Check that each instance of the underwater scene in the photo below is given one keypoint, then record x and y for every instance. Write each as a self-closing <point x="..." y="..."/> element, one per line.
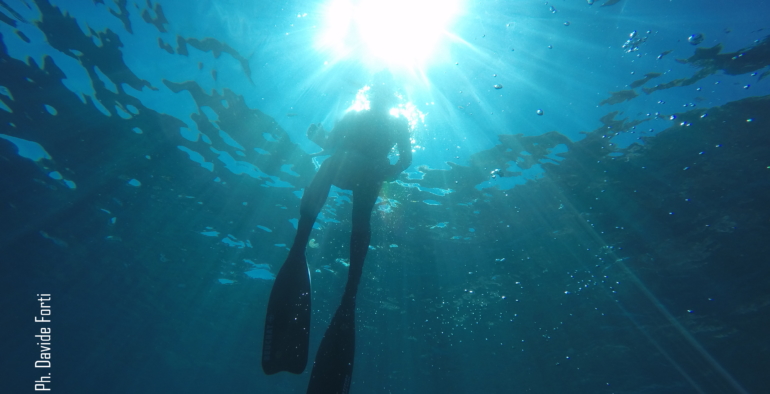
<point x="580" y="202"/>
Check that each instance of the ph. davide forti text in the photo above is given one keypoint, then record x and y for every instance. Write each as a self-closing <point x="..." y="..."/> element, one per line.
<point x="44" y="342"/>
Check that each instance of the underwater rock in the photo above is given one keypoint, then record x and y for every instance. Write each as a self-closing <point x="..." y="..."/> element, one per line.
<point x="619" y="97"/>
<point x="647" y="77"/>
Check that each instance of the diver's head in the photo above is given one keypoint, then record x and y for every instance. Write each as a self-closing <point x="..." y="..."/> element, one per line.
<point x="382" y="93"/>
<point x="382" y="97"/>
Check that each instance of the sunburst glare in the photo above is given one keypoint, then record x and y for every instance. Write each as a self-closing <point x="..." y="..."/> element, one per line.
<point x="396" y="33"/>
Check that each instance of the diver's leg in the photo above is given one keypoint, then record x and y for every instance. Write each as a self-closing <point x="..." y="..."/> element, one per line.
<point x="333" y="367"/>
<point x="313" y="200"/>
<point x="287" y="324"/>
<point x="361" y="234"/>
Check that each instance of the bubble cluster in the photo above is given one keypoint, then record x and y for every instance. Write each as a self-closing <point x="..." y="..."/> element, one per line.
<point x="633" y="42"/>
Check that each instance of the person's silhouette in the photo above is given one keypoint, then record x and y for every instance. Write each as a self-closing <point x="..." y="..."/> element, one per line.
<point x="359" y="146"/>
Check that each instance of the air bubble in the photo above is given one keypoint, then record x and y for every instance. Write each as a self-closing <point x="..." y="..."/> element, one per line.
<point x="695" y="39"/>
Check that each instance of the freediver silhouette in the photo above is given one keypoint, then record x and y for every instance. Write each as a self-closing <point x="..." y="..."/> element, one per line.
<point x="360" y="144"/>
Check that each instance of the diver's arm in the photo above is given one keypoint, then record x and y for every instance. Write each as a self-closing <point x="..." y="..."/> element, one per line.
<point x="317" y="134"/>
<point x="404" y="155"/>
<point x="328" y="140"/>
<point x="404" y="143"/>
<point x="339" y="132"/>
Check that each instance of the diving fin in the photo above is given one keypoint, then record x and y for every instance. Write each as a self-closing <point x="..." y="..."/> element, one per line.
<point x="287" y="324"/>
<point x="333" y="366"/>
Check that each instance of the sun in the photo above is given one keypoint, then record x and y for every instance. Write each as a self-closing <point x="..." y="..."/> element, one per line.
<point x="398" y="33"/>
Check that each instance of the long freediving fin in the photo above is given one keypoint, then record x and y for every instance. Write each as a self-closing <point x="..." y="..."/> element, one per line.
<point x="287" y="324"/>
<point x="333" y="366"/>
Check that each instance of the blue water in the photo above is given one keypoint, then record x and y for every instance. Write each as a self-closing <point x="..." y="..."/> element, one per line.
<point x="586" y="211"/>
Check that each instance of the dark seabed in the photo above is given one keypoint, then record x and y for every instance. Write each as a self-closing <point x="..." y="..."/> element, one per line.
<point x="152" y="156"/>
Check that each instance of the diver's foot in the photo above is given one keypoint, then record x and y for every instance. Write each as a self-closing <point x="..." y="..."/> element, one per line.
<point x="333" y="366"/>
<point x="287" y="324"/>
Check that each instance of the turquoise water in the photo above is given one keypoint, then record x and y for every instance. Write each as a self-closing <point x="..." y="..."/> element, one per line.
<point x="586" y="211"/>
